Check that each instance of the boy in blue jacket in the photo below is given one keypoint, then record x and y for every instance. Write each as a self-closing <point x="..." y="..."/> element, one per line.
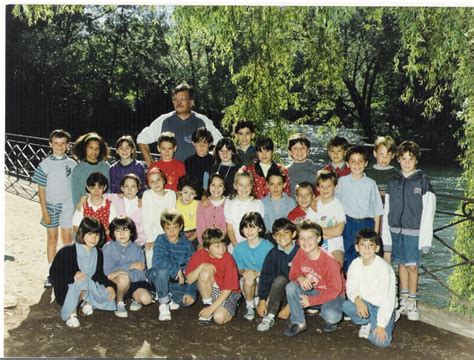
<point x="274" y="274"/>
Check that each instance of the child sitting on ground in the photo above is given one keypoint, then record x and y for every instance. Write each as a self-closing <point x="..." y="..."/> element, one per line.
<point x="217" y="277"/>
<point x="371" y="291"/>
<point x="244" y="132"/>
<point x="316" y="279"/>
<point x="124" y="265"/>
<point x="259" y="170"/>
<point x="329" y="215"/>
<point x="336" y="148"/>
<point x="173" y="168"/>
<point x="78" y="276"/>
<point x="171" y="254"/>
<point x="274" y="275"/>
<point x="249" y="256"/>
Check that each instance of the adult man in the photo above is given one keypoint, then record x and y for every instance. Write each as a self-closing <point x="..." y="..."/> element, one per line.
<point x="182" y="122"/>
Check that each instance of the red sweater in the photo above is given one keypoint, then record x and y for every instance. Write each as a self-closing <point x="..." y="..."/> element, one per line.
<point x="296" y="214"/>
<point x="173" y="169"/>
<point x="325" y="273"/>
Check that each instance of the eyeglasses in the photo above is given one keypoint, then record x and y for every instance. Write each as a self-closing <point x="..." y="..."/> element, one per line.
<point x="180" y="99"/>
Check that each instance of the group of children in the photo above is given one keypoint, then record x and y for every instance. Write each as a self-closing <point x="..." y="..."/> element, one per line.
<point x="287" y="238"/>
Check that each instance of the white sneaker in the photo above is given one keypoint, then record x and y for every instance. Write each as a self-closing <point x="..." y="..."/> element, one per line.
<point x="121" y="311"/>
<point x="73" y="322"/>
<point x="403" y="305"/>
<point x="173" y="306"/>
<point x="250" y="314"/>
<point x="266" y="324"/>
<point x="87" y="309"/>
<point x="135" y="305"/>
<point x="165" y="314"/>
<point x="397" y="315"/>
<point x="412" y="311"/>
<point x="364" y="331"/>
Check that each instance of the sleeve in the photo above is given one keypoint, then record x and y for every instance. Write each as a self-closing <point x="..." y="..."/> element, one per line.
<point x="76" y="187"/>
<point x="228" y="211"/>
<point x="77" y="217"/>
<point x="387" y="288"/>
<point x="427" y="217"/>
<point x="200" y="222"/>
<point x="112" y="213"/>
<point x="295" y="270"/>
<point x="62" y="272"/>
<point x="267" y="275"/>
<point x="338" y="191"/>
<point x="339" y="212"/>
<point x="377" y="200"/>
<point x="334" y="283"/>
<point x="231" y="274"/>
<point x="99" y="275"/>
<point x="147" y="216"/>
<point x="114" y="179"/>
<point x="40" y="176"/>
<point x="386" y="236"/>
<point x="238" y="257"/>
<point x="194" y="262"/>
<point x="151" y="133"/>
<point x="111" y="262"/>
<point x="162" y="258"/>
<point x="141" y="174"/>
<point x="353" y="281"/>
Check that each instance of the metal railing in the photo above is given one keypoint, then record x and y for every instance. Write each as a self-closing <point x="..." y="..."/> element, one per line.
<point x="24" y="153"/>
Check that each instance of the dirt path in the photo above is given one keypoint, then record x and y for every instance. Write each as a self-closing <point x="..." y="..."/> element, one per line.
<point x="33" y="328"/>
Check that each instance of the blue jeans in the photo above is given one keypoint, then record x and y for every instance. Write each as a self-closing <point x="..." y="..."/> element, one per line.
<point x="331" y="311"/>
<point x="166" y="288"/>
<point x="349" y="235"/>
<point x="351" y="310"/>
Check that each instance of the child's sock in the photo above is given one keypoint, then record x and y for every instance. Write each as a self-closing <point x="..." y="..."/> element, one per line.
<point x="412" y="297"/>
<point x="207" y="301"/>
<point x="249" y="303"/>
<point x="403" y="294"/>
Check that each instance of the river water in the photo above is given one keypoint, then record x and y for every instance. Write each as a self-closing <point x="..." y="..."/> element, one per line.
<point x="444" y="180"/>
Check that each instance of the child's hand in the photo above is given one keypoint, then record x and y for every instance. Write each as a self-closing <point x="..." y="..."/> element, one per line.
<point x="262" y="308"/>
<point x="304" y="301"/>
<point x="249" y="275"/>
<point x="80" y="276"/>
<point x="207" y="311"/>
<point x="111" y="291"/>
<point x="205" y="201"/>
<point x="284" y="313"/>
<point x="137" y="266"/>
<point x="188" y="299"/>
<point x="180" y="277"/>
<point x="380" y="334"/>
<point x="46" y="219"/>
<point x="81" y="202"/>
<point x="362" y="309"/>
<point x="149" y="245"/>
<point x="305" y="283"/>
<point x="208" y="267"/>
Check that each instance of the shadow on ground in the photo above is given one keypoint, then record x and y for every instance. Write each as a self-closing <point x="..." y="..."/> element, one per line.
<point x="43" y="334"/>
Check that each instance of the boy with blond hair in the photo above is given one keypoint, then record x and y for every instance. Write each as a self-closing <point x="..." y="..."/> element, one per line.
<point x="382" y="171"/>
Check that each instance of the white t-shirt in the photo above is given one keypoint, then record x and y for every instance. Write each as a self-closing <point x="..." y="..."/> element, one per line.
<point x="328" y="215"/>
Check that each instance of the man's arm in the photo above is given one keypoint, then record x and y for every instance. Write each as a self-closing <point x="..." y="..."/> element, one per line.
<point x="149" y="135"/>
<point x="145" y="150"/>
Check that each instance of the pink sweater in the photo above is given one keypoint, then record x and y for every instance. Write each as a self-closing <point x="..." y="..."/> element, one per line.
<point x="210" y="217"/>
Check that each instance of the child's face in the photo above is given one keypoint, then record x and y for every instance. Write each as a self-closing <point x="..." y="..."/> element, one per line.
<point x="156" y="183"/>
<point x="304" y="196"/>
<point x="284" y="237"/>
<point x="251" y="232"/>
<point x="92" y="151"/>
<point x="217" y="250"/>
<point x="275" y="185"/>
<point x="59" y="146"/>
<point x="382" y="156"/>
<point x="243" y="186"/>
<point x="122" y="235"/>
<point x="308" y="240"/>
<point x="125" y="151"/>
<point x="367" y="249"/>
<point x="407" y="163"/>
<point x="216" y="188"/>
<point x="265" y="156"/>
<point x="91" y="239"/>
<point x="202" y="148"/>
<point x="187" y="195"/>
<point x="225" y="154"/>
<point x="244" y="137"/>
<point x="166" y="150"/>
<point x="326" y="189"/>
<point x="299" y="152"/>
<point x="336" y="153"/>
<point x="357" y="164"/>
<point x="172" y="231"/>
<point x="129" y="189"/>
<point x="96" y="191"/>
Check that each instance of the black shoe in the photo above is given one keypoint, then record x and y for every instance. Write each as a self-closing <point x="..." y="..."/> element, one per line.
<point x="294" y="329"/>
<point x="329" y="328"/>
<point x="48" y="283"/>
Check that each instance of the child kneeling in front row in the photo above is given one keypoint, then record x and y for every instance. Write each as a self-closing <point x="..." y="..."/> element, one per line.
<point x="316" y="279"/>
<point x="171" y="254"/>
<point x="124" y="264"/>
<point x="274" y="274"/>
<point x="371" y="291"/>
<point x="78" y="276"/>
<point x="217" y="277"/>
